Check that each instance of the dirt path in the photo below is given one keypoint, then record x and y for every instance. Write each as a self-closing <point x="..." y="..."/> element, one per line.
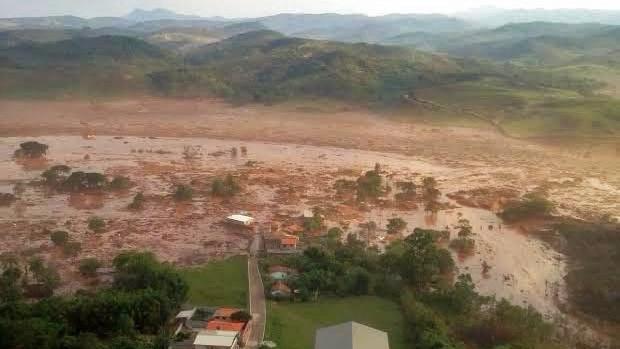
<point x="257" y="297"/>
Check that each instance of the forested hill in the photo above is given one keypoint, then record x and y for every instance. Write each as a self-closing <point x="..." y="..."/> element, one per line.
<point x="267" y="67"/>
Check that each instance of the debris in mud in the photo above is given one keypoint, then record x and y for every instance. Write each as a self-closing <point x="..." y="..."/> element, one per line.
<point x="491" y="199"/>
<point x="7" y="199"/>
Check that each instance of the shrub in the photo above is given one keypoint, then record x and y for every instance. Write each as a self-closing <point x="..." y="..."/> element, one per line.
<point x="369" y="185"/>
<point x="138" y="202"/>
<point x="96" y="224"/>
<point x="120" y="183"/>
<point x="78" y="181"/>
<point x="463" y="245"/>
<point x="396" y="225"/>
<point x="88" y="267"/>
<point x="56" y="175"/>
<point x="72" y="249"/>
<point x="31" y="150"/>
<point x="532" y="205"/>
<point x="59" y="237"/>
<point x="183" y="192"/>
<point x="225" y="188"/>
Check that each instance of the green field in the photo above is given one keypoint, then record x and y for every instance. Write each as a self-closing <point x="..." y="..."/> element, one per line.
<point x="219" y="283"/>
<point x="292" y="325"/>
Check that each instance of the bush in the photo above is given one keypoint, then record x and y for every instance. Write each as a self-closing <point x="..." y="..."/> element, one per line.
<point x="396" y="225"/>
<point x="72" y="249"/>
<point x="56" y="175"/>
<point x="88" y="267"/>
<point x="59" y="237"/>
<point x="463" y="245"/>
<point x="120" y="183"/>
<point x="369" y="185"/>
<point x="96" y="224"/>
<point x="138" y="202"/>
<point x="31" y="150"/>
<point x="183" y="192"/>
<point x="532" y="205"/>
<point x="79" y="181"/>
<point x="225" y="188"/>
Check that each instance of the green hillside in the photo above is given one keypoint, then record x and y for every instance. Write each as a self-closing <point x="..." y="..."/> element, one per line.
<point x="84" y="66"/>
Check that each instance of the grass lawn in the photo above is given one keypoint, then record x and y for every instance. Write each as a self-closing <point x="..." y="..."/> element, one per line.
<point x="219" y="283"/>
<point x="292" y="325"/>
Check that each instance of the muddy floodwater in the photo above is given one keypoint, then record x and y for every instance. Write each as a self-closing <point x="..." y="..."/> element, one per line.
<point x="279" y="182"/>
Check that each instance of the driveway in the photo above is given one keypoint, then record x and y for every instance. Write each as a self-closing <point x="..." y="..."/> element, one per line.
<point x="256" y="295"/>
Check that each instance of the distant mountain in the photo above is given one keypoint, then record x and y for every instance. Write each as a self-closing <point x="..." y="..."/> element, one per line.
<point x="493" y="17"/>
<point x="360" y="28"/>
<point x="139" y="15"/>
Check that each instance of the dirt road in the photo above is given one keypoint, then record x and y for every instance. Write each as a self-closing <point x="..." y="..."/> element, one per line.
<point x="257" y="297"/>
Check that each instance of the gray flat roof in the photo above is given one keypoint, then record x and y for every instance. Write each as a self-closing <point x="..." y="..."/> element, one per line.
<point x="350" y="335"/>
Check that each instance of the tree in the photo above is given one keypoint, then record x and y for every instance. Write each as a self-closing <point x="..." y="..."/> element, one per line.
<point x="430" y="194"/>
<point x="183" y="192"/>
<point x="59" y="237"/>
<point x="31" y="150"/>
<point x="532" y="205"/>
<point x="79" y="181"/>
<point x="89" y="266"/>
<point x="56" y="175"/>
<point x="96" y="224"/>
<point x="47" y="276"/>
<point x="72" y="249"/>
<point x="316" y="222"/>
<point x="138" y="202"/>
<point x="422" y="261"/>
<point x="396" y="225"/>
<point x="10" y="290"/>
<point x="120" y="183"/>
<point x="369" y="185"/>
<point x="226" y="187"/>
<point x="407" y="191"/>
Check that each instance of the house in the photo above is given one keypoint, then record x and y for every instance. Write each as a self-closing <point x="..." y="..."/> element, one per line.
<point x="224" y="314"/>
<point x="280" y="290"/>
<point x="240" y="219"/>
<point x="183" y="319"/>
<point x="350" y="335"/>
<point x="214" y="339"/>
<point x="281" y="243"/>
<point x="288" y="242"/>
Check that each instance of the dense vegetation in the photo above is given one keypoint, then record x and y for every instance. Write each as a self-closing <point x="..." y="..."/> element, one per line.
<point x="593" y="279"/>
<point x="130" y="314"/>
<point x="416" y="271"/>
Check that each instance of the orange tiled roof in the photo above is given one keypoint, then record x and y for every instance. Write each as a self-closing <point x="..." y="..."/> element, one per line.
<point x="225" y="312"/>
<point x="225" y="325"/>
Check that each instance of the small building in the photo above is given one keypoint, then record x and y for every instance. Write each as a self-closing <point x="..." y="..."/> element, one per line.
<point x="183" y="320"/>
<point x="224" y="314"/>
<point x="280" y="290"/>
<point x="350" y="335"/>
<point x="288" y="242"/>
<point x="214" y="339"/>
<point x="308" y="214"/>
<point x="280" y="272"/>
<point x="240" y="219"/>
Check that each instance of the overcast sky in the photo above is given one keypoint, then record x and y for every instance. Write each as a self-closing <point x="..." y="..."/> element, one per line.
<point x="254" y="8"/>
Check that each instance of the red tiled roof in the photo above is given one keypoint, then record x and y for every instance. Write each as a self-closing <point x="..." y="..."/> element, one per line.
<point x="225" y="325"/>
<point x="289" y="240"/>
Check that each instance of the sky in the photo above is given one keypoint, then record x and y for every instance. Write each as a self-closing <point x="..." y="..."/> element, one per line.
<point x="256" y="8"/>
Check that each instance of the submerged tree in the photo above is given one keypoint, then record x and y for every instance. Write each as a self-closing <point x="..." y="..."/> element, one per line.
<point x="31" y="150"/>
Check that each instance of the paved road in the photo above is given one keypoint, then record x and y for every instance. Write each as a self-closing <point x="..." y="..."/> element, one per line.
<point x="257" y="296"/>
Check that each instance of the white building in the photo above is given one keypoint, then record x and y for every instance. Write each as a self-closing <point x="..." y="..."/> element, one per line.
<point x="350" y="335"/>
<point x="240" y="219"/>
<point x="214" y="339"/>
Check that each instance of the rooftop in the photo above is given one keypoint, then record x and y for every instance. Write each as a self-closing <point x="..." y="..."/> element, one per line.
<point x="350" y="335"/>
<point x="186" y="314"/>
<point x="225" y="312"/>
<point x="216" y="338"/>
<point x="240" y="218"/>
<point x="225" y="325"/>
